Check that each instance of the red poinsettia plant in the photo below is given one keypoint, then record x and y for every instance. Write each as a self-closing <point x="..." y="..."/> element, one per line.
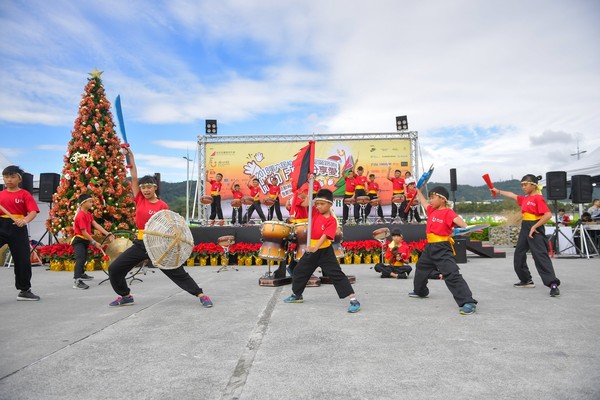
<point x="56" y="252"/>
<point x="416" y="248"/>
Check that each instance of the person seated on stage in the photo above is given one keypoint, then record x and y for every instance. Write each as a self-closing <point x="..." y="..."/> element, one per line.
<point x="397" y="256"/>
<point x="254" y="187"/>
<point x="562" y="218"/>
<point x="594" y="210"/>
<point x="320" y="254"/>
<point x="236" y="212"/>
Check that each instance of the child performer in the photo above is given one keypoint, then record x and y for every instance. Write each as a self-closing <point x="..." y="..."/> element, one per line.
<point x="13" y="228"/>
<point x="348" y="194"/>
<point x="373" y="192"/>
<point x="397" y="255"/>
<point x="397" y="189"/>
<point x="236" y="212"/>
<point x="533" y="236"/>
<point x="320" y="254"/>
<point x="255" y="193"/>
<point x="146" y="202"/>
<point x="82" y="226"/>
<point x="274" y="191"/>
<point x="360" y="190"/>
<point x="439" y="251"/>
<point x="215" y="192"/>
<point x="413" y="211"/>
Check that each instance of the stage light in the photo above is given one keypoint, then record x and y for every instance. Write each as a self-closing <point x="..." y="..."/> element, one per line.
<point x="401" y="123"/>
<point x="211" y="126"/>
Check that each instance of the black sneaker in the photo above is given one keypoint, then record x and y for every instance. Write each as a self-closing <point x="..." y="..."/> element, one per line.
<point x="554" y="292"/>
<point x="403" y="275"/>
<point x="413" y="294"/>
<point x="79" y="284"/>
<point x="86" y="277"/>
<point x="528" y="284"/>
<point x="27" y="295"/>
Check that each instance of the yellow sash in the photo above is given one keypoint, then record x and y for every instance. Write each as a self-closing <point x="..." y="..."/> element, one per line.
<point x="140" y="234"/>
<point x="530" y="217"/>
<point x="325" y="244"/>
<point x="433" y="238"/>
<point x="17" y="216"/>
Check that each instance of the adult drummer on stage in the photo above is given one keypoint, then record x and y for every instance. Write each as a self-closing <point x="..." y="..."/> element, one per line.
<point x="147" y="203"/>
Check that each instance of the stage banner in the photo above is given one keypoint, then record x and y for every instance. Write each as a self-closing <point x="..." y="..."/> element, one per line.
<point x="264" y="160"/>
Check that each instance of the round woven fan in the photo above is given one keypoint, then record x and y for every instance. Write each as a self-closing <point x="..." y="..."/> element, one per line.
<point x="168" y="239"/>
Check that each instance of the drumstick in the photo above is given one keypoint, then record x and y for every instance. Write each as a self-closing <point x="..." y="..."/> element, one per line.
<point x="488" y="180"/>
<point x="7" y="213"/>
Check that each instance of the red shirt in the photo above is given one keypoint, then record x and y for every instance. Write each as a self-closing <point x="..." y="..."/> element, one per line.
<point x="316" y="187"/>
<point x="255" y="192"/>
<point x="237" y="194"/>
<point x="360" y="181"/>
<point x="83" y="221"/>
<point x="410" y="193"/>
<point x="215" y="187"/>
<point x="440" y="221"/>
<point x="350" y="185"/>
<point x="145" y="209"/>
<point x="322" y="226"/>
<point x="373" y="187"/>
<point x="297" y="209"/>
<point x="397" y="185"/>
<point x="533" y="204"/>
<point x="403" y="250"/>
<point x="20" y="202"/>
<point x="274" y="191"/>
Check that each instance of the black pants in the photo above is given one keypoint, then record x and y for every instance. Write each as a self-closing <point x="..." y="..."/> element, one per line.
<point x="215" y="208"/>
<point x="236" y="215"/>
<point x="324" y="258"/>
<point x="17" y="239"/>
<point x="117" y="271"/>
<point x="345" y="208"/>
<point x="539" y="251"/>
<point x="358" y="193"/>
<point x="80" y="248"/>
<point x="255" y="206"/>
<point x="277" y="208"/>
<point x="368" y="209"/>
<point x="386" y="269"/>
<point x="439" y="256"/>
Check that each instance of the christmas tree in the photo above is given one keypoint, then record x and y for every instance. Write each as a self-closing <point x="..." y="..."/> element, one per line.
<point x="94" y="165"/>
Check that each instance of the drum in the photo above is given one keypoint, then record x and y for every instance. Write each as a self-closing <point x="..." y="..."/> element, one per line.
<point x="206" y="200"/>
<point x="397" y="198"/>
<point x="168" y="239"/>
<point x="337" y="243"/>
<point x="235" y="203"/>
<point x="363" y="200"/>
<point x="273" y="233"/>
<point x="247" y="200"/>
<point x="349" y="201"/>
<point x="300" y="235"/>
<point x="117" y="247"/>
<point x="381" y="233"/>
<point x="267" y="201"/>
<point x="374" y="202"/>
<point x="226" y="241"/>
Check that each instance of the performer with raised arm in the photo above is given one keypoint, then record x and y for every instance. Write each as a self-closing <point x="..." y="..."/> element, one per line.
<point x="397" y="190"/>
<point x="215" y="192"/>
<point x="253" y="185"/>
<point x="147" y="203"/>
<point x="439" y="251"/>
<point x="532" y="236"/>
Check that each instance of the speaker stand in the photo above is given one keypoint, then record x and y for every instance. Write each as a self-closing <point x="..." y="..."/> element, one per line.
<point x="554" y="237"/>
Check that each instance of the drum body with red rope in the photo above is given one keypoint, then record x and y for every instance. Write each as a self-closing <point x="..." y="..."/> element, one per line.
<point x="226" y="241"/>
<point x="397" y="198"/>
<point x="206" y="200"/>
<point x="247" y="200"/>
<point x="267" y="201"/>
<point x="235" y="203"/>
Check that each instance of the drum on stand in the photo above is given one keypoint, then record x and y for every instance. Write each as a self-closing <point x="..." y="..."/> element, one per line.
<point x="338" y="250"/>
<point x="349" y="201"/>
<point x="398" y="198"/>
<point x="300" y="232"/>
<point x="375" y="202"/>
<point x="247" y="200"/>
<point x="226" y="241"/>
<point x="273" y="233"/>
<point x="236" y="203"/>
<point x="381" y="233"/>
<point x="206" y="200"/>
<point x="267" y="201"/>
<point x="363" y="200"/>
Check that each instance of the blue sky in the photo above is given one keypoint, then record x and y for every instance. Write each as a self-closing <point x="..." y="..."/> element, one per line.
<point x="505" y="88"/>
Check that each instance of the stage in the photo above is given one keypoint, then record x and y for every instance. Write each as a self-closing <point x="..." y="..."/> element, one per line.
<point x="251" y="234"/>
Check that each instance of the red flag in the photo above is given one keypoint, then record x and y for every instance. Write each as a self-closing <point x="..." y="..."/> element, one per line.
<point x="303" y="165"/>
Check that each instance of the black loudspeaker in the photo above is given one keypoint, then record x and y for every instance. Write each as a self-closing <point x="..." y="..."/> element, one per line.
<point x="27" y="182"/>
<point x="581" y="189"/>
<point x="556" y="185"/>
<point x="48" y="184"/>
<point x="453" y="186"/>
<point x="157" y="178"/>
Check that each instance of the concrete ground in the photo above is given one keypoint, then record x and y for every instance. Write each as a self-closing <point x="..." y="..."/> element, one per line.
<point x="521" y="344"/>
